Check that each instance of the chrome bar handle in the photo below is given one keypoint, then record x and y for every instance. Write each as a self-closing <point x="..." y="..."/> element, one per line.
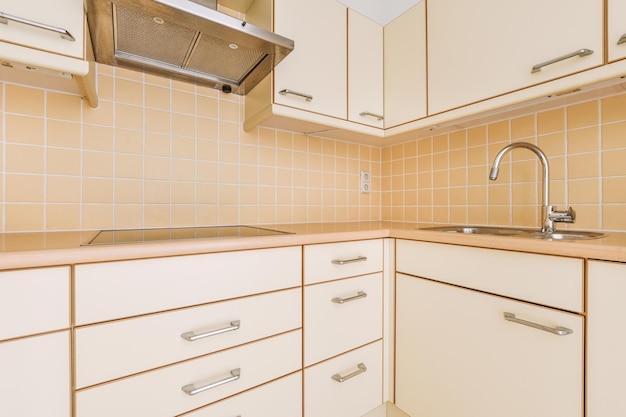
<point x="4" y="18"/>
<point x="339" y="378"/>
<point x="191" y="389"/>
<point x="559" y="331"/>
<point x="377" y="116"/>
<point x="284" y="92"/>
<point x="191" y="336"/>
<point x="579" y="52"/>
<point x="349" y="261"/>
<point x="622" y="39"/>
<point x="359" y="295"/>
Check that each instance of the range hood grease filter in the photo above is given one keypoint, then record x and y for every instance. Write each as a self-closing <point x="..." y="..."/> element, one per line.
<point x="184" y="40"/>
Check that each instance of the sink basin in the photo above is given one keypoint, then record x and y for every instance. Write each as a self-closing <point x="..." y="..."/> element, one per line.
<point x="481" y="230"/>
<point x="566" y="235"/>
<point x="512" y="231"/>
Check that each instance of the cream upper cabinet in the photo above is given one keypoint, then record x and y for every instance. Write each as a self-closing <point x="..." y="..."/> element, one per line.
<point x="365" y="70"/>
<point x="606" y="341"/>
<point x="312" y="77"/>
<point x="405" y="67"/>
<point x="485" y="48"/>
<point x="616" y="29"/>
<point x="55" y="26"/>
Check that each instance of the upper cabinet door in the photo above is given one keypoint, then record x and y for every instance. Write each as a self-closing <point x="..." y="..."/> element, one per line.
<point x="365" y="70"/>
<point x="405" y="67"/>
<point x="616" y="25"/>
<point x="483" y="48"/>
<point x="53" y="25"/>
<point x="313" y="76"/>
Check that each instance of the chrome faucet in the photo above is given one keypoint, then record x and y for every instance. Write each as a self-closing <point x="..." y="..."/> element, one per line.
<point x="549" y="214"/>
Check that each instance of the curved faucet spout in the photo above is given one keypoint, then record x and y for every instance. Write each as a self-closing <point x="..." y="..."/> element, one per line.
<point x="547" y="226"/>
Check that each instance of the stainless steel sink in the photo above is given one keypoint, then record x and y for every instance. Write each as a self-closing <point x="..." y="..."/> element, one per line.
<point x="566" y="235"/>
<point x="481" y="230"/>
<point x="512" y="231"/>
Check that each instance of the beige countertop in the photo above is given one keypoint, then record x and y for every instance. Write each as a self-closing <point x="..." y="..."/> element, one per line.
<point x="21" y="250"/>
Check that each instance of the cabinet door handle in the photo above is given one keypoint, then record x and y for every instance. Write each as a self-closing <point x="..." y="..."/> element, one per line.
<point x="191" y="336"/>
<point x="360" y="294"/>
<point x="349" y="261"/>
<point x="622" y="39"/>
<point x="579" y="52"/>
<point x="366" y="113"/>
<point x="307" y="97"/>
<point x="559" y="331"/>
<point x="192" y="390"/>
<point x="339" y="378"/>
<point x="4" y="18"/>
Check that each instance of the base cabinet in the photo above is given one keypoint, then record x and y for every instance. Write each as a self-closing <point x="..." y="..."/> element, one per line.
<point x="457" y="355"/>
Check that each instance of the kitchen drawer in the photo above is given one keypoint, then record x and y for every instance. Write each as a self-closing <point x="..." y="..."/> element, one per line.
<point x="115" y="349"/>
<point x="543" y="279"/>
<point x="160" y="393"/>
<point x="281" y="398"/>
<point x="106" y="291"/>
<point x="326" y="397"/>
<point x="341" y="315"/>
<point x="34" y="301"/>
<point x="330" y="261"/>
<point x="35" y="376"/>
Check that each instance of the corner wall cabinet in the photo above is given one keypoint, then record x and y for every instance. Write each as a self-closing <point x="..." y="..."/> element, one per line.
<point x="492" y="352"/>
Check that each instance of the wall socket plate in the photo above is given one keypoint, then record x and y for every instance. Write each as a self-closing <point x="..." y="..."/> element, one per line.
<point x="366" y="181"/>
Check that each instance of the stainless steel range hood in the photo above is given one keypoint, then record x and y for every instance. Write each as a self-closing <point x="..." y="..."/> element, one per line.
<point x="184" y="40"/>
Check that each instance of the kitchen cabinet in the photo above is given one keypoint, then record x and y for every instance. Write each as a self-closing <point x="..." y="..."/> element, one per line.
<point x="47" y="38"/>
<point x="405" y="67"/>
<point x="616" y="29"/>
<point x="35" y="342"/>
<point x="485" y="48"/>
<point x="473" y="339"/>
<point x="215" y="325"/>
<point x="313" y="76"/>
<point x="365" y="70"/>
<point x="606" y="343"/>
<point x="343" y="332"/>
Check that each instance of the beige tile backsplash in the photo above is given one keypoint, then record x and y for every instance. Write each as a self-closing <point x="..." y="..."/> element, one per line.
<point x="162" y="153"/>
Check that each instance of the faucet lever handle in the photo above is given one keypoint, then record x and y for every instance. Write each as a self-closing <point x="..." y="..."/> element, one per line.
<point x="568" y="216"/>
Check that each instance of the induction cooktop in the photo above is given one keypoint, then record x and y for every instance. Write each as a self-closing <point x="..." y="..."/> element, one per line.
<point x="122" y="236"/>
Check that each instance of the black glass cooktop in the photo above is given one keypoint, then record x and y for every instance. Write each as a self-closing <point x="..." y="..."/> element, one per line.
<point x="113" y="237"/>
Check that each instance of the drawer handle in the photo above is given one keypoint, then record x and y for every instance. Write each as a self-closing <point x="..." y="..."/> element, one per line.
<point x="339" y="378"/>
<point x="349" y="261"/>
<point x="367" y="113"/>
<point x="307" y="97"/>
<point x="4" y="18"/>
<point x="360" y="294"/>
<point x="559" y="331"/>
<point x="622" y="39"/>
<point x="192" y="390"/>
<point x="191" y="336"/>
<point x="579" y="52"/>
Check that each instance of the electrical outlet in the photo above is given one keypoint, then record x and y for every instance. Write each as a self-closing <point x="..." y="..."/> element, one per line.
<point x="366" y="181"/>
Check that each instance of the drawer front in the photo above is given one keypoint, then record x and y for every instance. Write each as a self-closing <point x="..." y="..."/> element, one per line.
<point x="115" y="349"/>
<point x="123" y="289"/>
<point x="324" y="396"/>
<point x="35" y="376"/>
<point x="549" y="280"/>
<point x="160" y="393"/>
<point x="34" y="301"/>
<point x="341" y="315"/>
<point x="330" y="261"/>
<point x="62" y="14"/>
<point x="282" y="398"/>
